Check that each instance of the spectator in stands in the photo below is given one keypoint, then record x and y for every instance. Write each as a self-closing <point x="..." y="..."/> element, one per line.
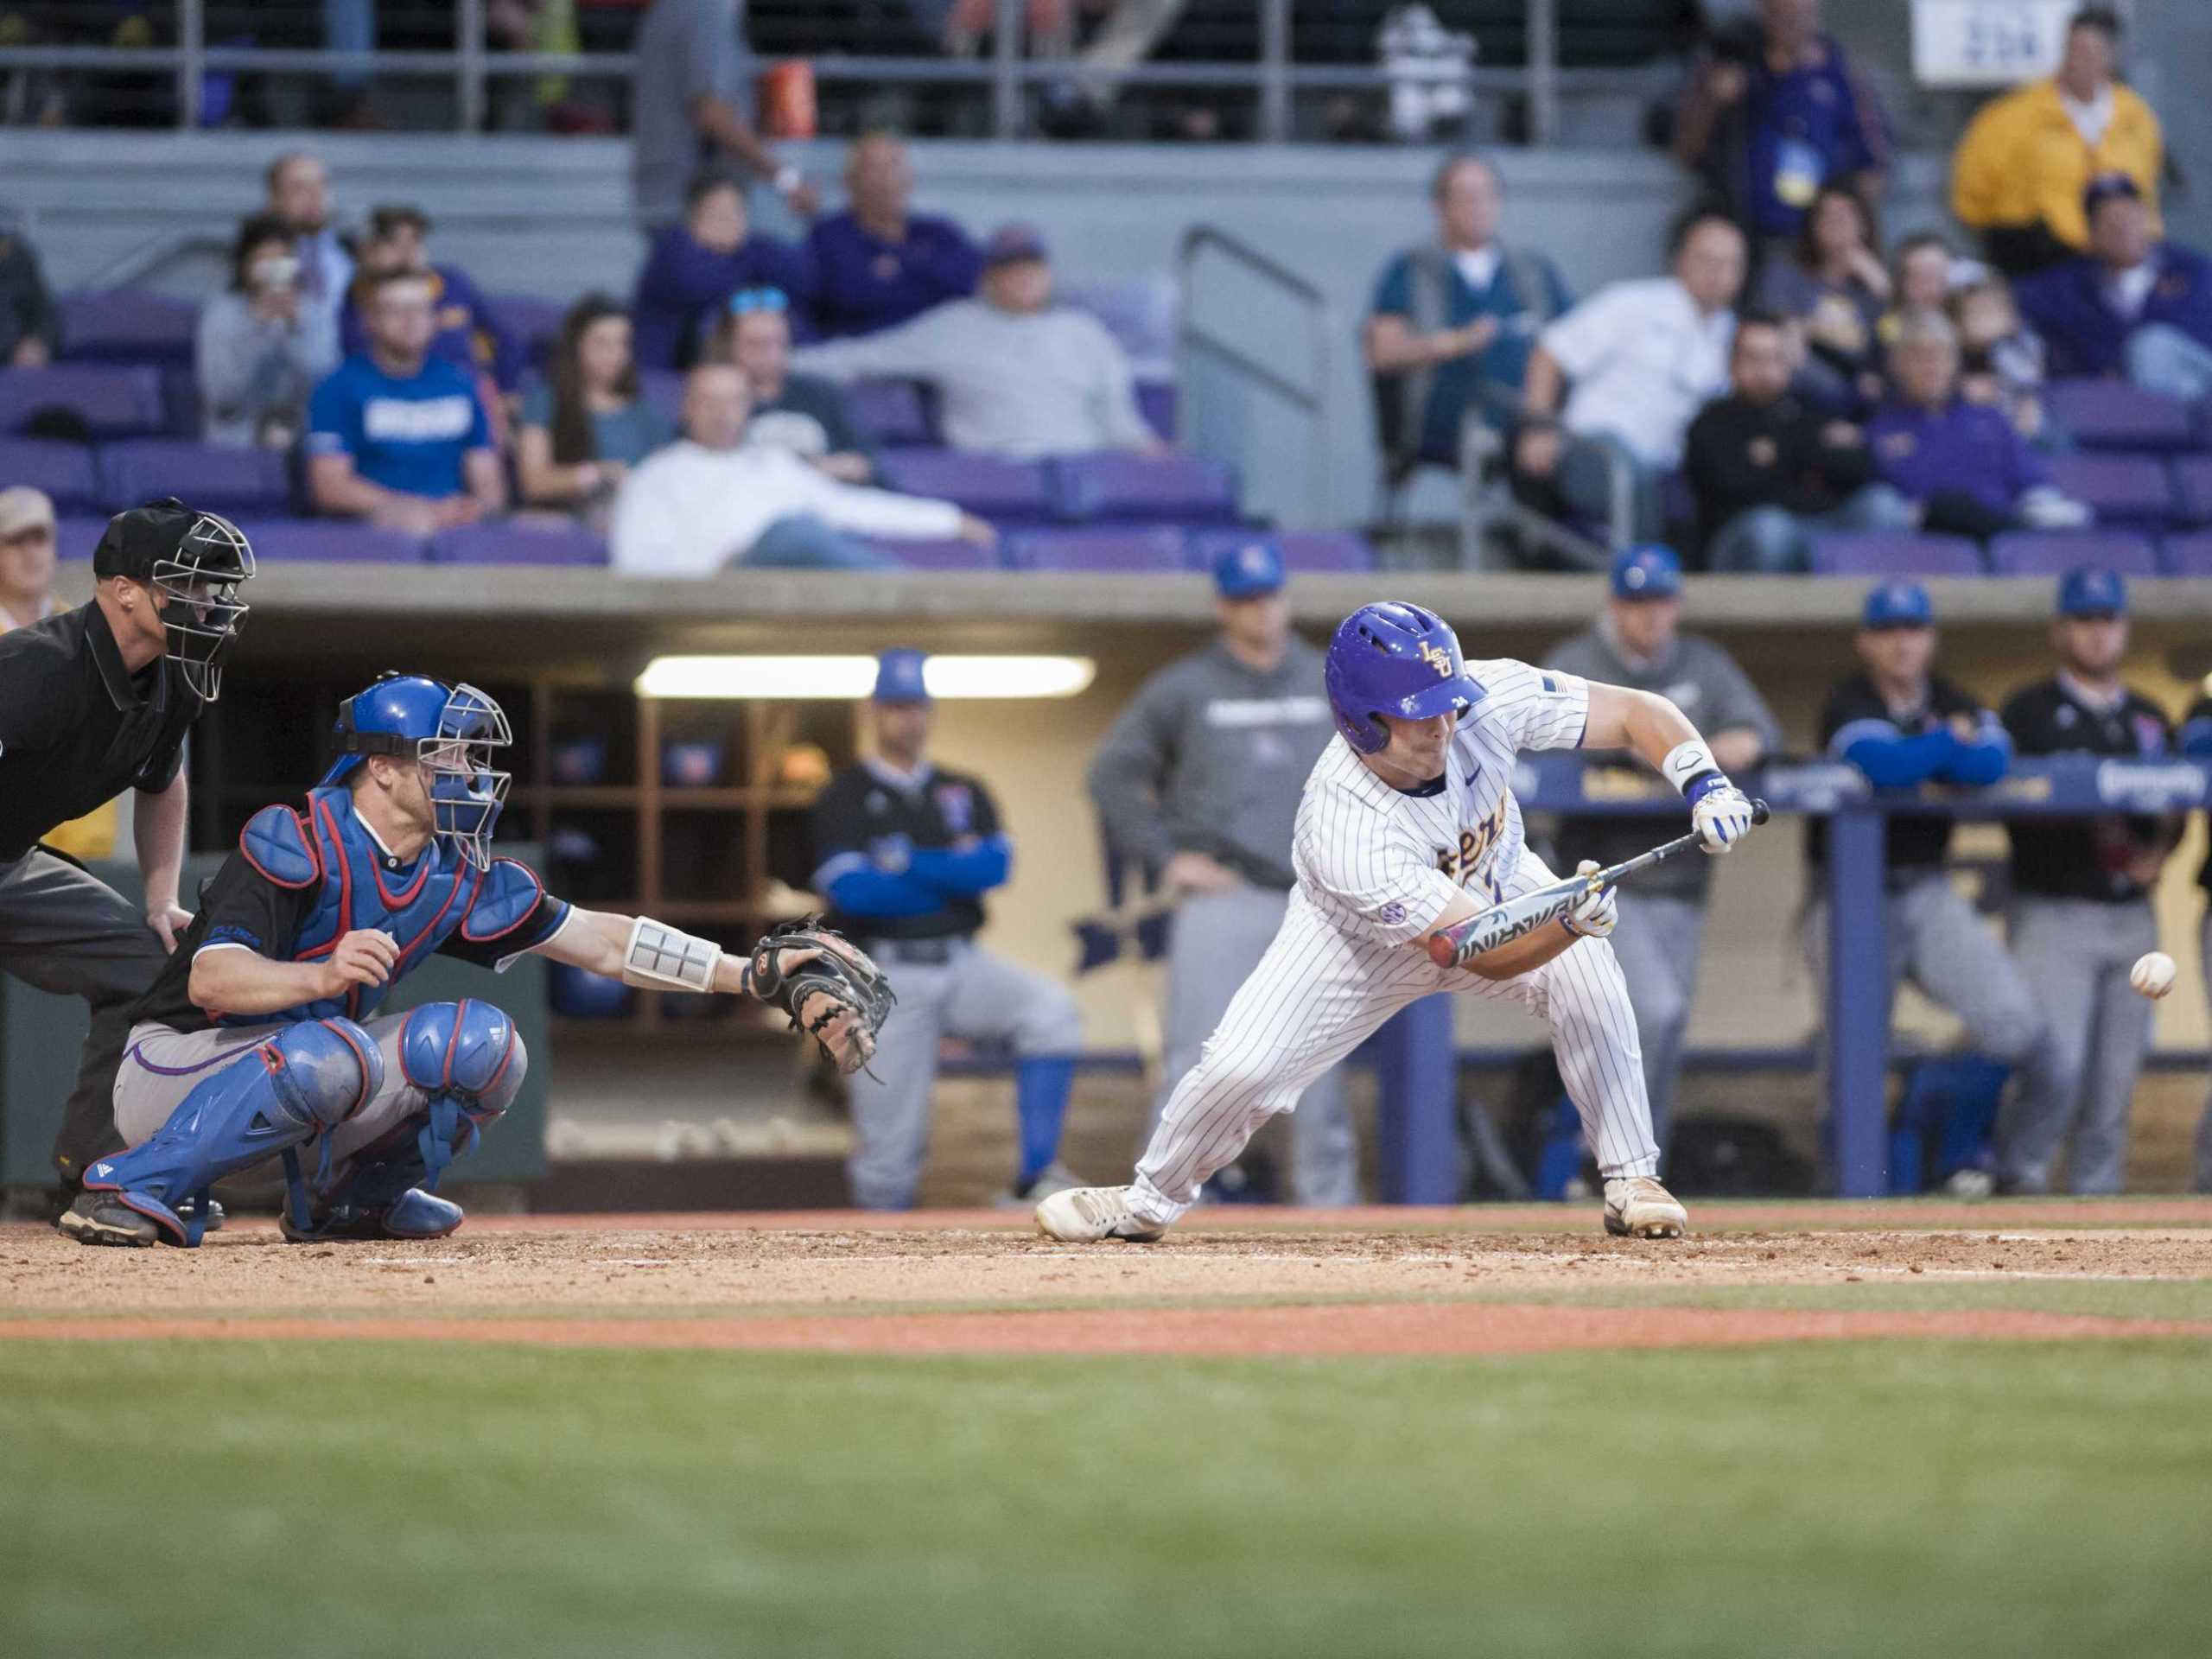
<point x="1925" y="274"/>
<point x="2196" y="742"/>
<point x="261" y="348"/>
<point x="1769" y="471"/>
<point x="2000" y="359"/>
<point x="2020" y="172"/>
<point x="1970" y="472"/>
<point x="1642" y="358"/>
<point x="27" y="560"/>
<point x="692" y="96"/>
<point x="879" y="263"/>
<point x="1014" y="373"/>
<point x="695" y="267"/>
<point x="1772" y="118"/>
<point x="712" y="499"/>
<point x="1454" y="321"/>
<point x="1903" y="725"/>
<point x="1834" y="288"/>
<point x="396" y="435"/>
<point x="803" y="413"/>
<point x="30" y="323"/>
<point x="1637" y="642"/>
<point x="469" y="335"/>
<point x="299" y="194"/>
<point x="2081" y="910"/>
<point x="582" y="432"/>
<point x="2137" y="306"/>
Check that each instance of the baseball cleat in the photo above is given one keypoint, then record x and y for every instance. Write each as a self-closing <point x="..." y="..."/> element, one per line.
<point x="1638" y="1207"/>
<point x="103" y="1218"/>
<point x="414" y="1214"/>
<point x="1087" y="1214"/>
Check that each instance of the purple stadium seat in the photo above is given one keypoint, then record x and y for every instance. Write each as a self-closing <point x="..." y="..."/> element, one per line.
<point x="127" y="325"/>
<point x="1150" y="549"/>
<point x="990" y="487"/>
<point x="951" y="555"/>
<point x="1880" y="555"/>
<point x="76" y="537"/>
<point x="892" y="411"/>
<point x="2193" y="485"/>
<point x="63" y="471"/>
<point x="535" y="323"/>
<point x="231" y="481"/>
<point x="113" y="400"/>
<point x="2188" y="556"/>
<point x="1156" y="401"/>
<point x="2130" y="490"/>
<point x="2113" y="415"/>
<point x="1308" y="550"/>
<point x="1170" y="488"/>
<point x="319" y="541"/>
<point x="2031" y="553"/>
<point x="509" y="541"/>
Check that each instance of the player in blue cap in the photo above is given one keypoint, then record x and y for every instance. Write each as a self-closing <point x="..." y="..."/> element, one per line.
<point x="1903" y="725"/>
<point x="904" y="850"/>
<point x="1198" y="784"/>
<point x="262" y="1036"/>
<point x="2082" y="901"/>
<point x="1408" y="825"/>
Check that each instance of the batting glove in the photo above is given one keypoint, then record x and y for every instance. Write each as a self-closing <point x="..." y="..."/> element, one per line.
<point x="1722" y="816"/>
<point x="1594" y="913"/>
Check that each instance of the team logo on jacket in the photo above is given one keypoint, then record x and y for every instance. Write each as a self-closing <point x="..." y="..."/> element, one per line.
<point x="2149" y="736"/>
<point x="958" y="802"/>
<point x="1437" y="658"/>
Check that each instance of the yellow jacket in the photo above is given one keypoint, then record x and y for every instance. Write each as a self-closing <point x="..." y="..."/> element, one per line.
<point x="2023" y="161"/>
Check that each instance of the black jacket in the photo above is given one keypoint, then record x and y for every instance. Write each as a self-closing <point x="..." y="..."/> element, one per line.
<point x="1743" y="454"/>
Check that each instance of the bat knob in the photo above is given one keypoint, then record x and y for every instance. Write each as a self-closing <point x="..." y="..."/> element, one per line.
<point x="1759" y="813"/>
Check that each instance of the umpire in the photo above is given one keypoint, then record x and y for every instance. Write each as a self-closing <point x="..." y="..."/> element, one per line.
<point x="1199" y="780"/>
<point x="1662" y="912"/>
<point x="94" y="701"/>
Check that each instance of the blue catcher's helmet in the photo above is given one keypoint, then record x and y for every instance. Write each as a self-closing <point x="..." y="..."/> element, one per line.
<point x="1397" y="659"/>
<point x="452" y="730"/>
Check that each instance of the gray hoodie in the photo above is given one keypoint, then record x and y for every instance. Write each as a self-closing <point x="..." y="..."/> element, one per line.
<point x="1211" y="757"/>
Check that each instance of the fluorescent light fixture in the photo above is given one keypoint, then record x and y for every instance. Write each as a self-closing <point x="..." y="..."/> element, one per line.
<point x="948" y="676"/>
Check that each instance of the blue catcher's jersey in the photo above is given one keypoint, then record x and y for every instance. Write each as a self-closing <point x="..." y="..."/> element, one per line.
<point x="302" y="880"/>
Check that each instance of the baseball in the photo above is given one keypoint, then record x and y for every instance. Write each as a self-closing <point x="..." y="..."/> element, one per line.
<point x="2152" y="975"/>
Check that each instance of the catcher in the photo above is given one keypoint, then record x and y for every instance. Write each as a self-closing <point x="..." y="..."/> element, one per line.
<point x="261" y="1039"/>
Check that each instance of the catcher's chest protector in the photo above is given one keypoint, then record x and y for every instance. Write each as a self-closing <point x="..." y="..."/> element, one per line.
<point x="328" y="849"/>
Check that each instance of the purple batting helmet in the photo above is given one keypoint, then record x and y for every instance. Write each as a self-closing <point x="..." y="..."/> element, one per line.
<point x="1394" y="659"/>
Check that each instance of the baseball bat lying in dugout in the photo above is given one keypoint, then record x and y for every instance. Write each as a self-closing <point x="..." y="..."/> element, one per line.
<point x="1460" y="943"/>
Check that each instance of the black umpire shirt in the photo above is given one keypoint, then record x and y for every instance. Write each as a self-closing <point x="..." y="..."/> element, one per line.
<point x="858" y="812"/>
<point x="1916" y="844"/>
<point x="2081" y="858"/>
<point x="2199" y="718"/>
<point x="77" y="728"/>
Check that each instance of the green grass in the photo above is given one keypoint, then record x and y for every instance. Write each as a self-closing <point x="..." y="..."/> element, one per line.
<point x="344" y="1499"/>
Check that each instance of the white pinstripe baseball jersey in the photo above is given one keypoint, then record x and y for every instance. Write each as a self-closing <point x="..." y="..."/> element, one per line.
<point x="1382" y="864"/>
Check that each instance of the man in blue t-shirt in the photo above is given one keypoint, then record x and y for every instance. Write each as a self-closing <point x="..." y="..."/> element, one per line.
<point x="1455" y="321"/>
<point x="396" y="435"/>
<point x="878" y="263"/>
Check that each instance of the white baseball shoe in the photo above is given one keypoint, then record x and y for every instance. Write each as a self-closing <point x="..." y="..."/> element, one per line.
<point x="1638" y="1207"/>
<point x="1086" y="1215"/>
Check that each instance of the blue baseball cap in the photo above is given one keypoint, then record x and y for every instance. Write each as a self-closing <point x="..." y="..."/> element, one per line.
<point x="2092" y="590"/>
<point x="1011" y="242"/>
<point x="1647" y="572"/>
<point x="1251" y="567"/>
<point x="1899" y="605"/>
<point x="898" y="677"/>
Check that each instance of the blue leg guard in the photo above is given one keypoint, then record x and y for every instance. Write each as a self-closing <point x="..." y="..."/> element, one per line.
<point x="299" y="1084"/>
<point x="467" y="1059"/>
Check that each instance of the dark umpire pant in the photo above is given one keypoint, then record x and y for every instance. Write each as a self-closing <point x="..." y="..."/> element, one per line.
<point x="67" y="932"/>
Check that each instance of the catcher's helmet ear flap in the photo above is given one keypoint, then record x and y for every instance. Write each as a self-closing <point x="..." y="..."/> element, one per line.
<point x="1397" y="659"/>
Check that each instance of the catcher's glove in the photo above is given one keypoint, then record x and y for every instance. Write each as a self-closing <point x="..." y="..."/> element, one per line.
<point x="828" y="986"/>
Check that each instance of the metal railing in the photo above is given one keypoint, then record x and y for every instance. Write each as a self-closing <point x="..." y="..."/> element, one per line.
<point x="1274" y="75"/>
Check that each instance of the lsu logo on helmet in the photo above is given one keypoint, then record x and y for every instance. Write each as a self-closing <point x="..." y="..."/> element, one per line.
<point x="1438" y="659"/>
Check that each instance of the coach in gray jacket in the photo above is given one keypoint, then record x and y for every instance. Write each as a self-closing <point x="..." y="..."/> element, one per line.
<point x="1662" y="926"/>
<point x="1199" y="781"/>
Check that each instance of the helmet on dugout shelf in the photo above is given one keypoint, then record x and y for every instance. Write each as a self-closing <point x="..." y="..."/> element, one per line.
<point x="453" y="730"/>
<point x="1397" y="659"/>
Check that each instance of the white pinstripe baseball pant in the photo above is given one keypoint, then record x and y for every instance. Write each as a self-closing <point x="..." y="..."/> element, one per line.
<point x="1317" y="994"/>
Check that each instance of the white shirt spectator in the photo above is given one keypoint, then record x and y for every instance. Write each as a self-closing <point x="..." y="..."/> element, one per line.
<point x="687" y="511"/>
<point x="1643" y="361"/>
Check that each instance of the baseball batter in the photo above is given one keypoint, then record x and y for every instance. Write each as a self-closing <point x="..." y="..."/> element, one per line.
<point x="1408" y="825"/>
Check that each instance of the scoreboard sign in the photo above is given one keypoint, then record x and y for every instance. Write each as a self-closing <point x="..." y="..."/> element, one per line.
<point x="1987" y="42"/>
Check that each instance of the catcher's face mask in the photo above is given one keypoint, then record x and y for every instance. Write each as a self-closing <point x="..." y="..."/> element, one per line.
<point x="465" y="791"/>
<point x="197" y="589"/>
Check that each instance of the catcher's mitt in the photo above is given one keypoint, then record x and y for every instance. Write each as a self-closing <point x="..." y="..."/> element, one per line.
<point x="828" y="986"/>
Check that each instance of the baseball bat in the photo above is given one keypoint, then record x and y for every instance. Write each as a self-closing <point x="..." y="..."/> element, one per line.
<point x="1452" y="946"/>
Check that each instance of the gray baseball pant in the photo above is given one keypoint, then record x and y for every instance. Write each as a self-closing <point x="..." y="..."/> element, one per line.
<point x="1657" y="945"/>
<point x="972" y="995"/>
<point x="1218" y="940"/>
<point x="2076" y="953"/>
<point x="67" y="933"/>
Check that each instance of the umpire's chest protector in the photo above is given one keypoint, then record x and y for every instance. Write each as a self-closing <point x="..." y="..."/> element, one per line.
<point x="328" y="850"/>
